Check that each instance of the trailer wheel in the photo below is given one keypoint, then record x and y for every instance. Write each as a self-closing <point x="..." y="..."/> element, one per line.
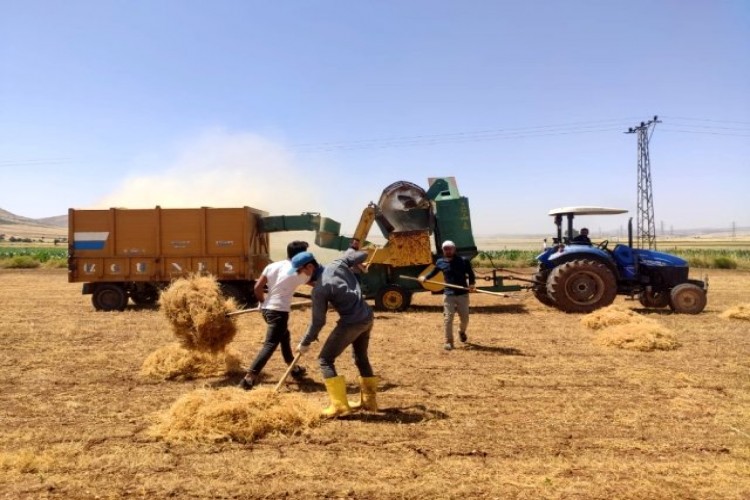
<point x="687" y="298"/>
<point x="540" y="288"/>
<point x="147" y="296"/>
<point x="581" y="286"/>
<point x="654" y="299"/>
<point x="236" y="292"/>
<point x="393" y="298"/>
<point x="109" y="297"/>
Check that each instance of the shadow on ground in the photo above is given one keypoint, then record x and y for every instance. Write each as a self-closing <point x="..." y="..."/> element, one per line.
<point x="504" y="351"/>
<point x="409" y="415"/>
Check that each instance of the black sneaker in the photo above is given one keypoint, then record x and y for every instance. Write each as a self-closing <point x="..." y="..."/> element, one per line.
<point x="298" y="372"/>
<point x="462" y="336"/>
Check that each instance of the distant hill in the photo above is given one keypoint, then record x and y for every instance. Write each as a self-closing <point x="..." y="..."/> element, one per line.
<point x="38" y="229"/>
<point x="9" y="218"/>
<point x="57" y="221"/>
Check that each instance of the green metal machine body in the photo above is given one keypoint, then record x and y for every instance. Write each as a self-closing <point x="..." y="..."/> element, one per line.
<point x="407" y="217"/>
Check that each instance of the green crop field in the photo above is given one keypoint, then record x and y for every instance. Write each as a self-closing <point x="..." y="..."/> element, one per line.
<point x="30" y="257"/>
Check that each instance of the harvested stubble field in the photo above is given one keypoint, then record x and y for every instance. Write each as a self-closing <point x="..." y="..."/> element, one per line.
<point x="531" y="408"/>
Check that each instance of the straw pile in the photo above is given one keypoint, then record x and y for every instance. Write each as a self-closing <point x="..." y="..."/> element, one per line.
<point x="741" y="311"/>
<point x="231" y="414"/>
<point x="610" y="316"/>
<point x="625" y="329"/>
<point x="196" y="310"/>
<point x="174" y="362"/>
<point x="641" y="336"/>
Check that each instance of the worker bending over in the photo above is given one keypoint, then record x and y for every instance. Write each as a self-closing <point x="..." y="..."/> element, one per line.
<point x="337" y="285"/>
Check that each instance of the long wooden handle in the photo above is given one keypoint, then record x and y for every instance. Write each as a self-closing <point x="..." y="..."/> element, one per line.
<point x="255" y="309"/>
<point x="372" y="257"/>
<point x="287" y="372"/>
<point x="243" y="311"/>
<point x="497" y="294"/>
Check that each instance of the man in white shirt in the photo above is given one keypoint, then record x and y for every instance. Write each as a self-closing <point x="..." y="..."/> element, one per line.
<point x="275" y="307"/>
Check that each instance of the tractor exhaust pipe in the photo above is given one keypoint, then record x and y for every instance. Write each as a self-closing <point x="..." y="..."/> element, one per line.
<point x="630" y="232"/>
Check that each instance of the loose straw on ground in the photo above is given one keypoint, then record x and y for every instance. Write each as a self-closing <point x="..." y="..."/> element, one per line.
<point x="623" y="328"/>
<point x="741" y="311"/>
<point x="174" y="362"/>
<point x="231" y="414"/>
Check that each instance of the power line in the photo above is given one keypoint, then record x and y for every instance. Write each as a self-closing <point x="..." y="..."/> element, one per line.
<point x="34" y="162"/>
<point x="703" y="132"/>
<point x="710" y="120"/>
<point x="463" y="137"/>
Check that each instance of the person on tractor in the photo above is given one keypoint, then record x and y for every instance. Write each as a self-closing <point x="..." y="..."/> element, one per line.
<point x="583" y="237"/>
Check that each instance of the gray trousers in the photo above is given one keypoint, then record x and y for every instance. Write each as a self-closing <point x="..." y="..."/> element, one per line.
<point x="358" y="335"/>
<point x="451" y="304"/>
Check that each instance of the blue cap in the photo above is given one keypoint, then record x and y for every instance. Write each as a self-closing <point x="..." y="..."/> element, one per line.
<point x="301" y="260"/>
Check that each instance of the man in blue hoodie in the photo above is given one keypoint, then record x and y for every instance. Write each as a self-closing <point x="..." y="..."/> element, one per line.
<point x="337" y="285"/>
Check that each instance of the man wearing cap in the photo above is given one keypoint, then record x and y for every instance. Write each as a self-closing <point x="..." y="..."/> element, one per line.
<point x="337" y="285"/>
<point x="455" y="271"/>
<point x="275" y="309"/>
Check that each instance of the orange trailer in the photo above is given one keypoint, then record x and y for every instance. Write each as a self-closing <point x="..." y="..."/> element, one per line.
<point x="120" y="254"/>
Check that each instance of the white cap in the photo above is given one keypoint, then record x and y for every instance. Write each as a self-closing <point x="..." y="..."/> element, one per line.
<point x="448" y="243"/>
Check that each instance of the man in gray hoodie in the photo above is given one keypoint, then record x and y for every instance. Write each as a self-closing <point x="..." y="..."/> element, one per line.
<point x="337" y="285"/>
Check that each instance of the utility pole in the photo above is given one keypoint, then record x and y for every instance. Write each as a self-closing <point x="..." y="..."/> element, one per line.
<point x="646" y="227"/>
<point x="734" y="230"/>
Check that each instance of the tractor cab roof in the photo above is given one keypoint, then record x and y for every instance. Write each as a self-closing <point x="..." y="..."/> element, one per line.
<point x="587" y="211"/>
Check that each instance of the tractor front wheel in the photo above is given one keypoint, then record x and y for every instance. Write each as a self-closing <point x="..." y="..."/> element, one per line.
<point x="687" y="298"/>
<point x="393" y="298"/>
<point x="581" y="286"/>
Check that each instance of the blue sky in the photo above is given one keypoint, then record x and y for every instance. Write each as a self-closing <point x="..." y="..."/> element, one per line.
<point x="318" y="105"/>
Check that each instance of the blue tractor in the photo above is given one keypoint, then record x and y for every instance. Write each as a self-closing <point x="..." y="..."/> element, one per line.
<point x="579" y="277"/>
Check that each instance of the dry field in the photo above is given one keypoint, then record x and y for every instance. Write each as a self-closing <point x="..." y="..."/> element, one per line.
<point x="530" y="408"/>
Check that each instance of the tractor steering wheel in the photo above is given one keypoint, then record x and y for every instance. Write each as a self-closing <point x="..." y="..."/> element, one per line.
<point x="603" y="245"/>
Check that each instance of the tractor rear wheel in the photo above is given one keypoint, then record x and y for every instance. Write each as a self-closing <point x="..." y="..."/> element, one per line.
<point x="687" y="298"/>
<point x="540" y="288"/>
<point x="109" y="297"/>
<point x="393" y="298"/>
<point x="654" y="299"/>
<point x="581" y="286"/>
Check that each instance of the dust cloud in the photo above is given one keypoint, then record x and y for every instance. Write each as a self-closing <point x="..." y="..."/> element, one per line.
<point x="221" y="169"/>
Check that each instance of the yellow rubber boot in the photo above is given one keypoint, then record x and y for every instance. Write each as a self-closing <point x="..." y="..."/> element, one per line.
<point x="368" y="389"/>
<point x="336" y="387"/>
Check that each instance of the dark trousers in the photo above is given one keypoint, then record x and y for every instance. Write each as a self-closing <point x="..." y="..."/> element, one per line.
<point x="276" y="333"/>
<point x="358" y="336"/>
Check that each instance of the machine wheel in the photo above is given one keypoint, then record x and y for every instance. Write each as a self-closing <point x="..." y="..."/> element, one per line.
<point x="654" y="299"/>
<point x="109" y="297"/>
<point x="540" y="290"/>
<point x="581" y="286"/>
<point x="147" y="296"/>
<point x="393" y="298"/>
<point x="687" y="298"/>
